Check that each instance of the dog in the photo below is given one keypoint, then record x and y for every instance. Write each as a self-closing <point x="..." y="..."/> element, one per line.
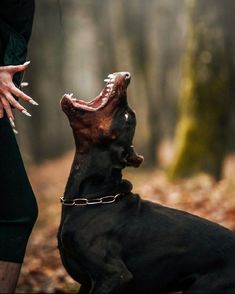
<point x="112" y="241"/>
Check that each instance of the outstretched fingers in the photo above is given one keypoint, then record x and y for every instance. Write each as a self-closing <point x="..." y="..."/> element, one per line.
<point x="8" y="90"/>
<point x="18" y="93"/>
<point x="13" y="102"/>
<point x="17" y="68"/>
<point x="7" y="107"/>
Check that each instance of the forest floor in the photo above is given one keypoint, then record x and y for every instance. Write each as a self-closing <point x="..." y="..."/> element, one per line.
<point x="43" y="272"/>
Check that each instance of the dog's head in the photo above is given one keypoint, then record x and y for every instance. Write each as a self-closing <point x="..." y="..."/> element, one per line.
<point x="106" y="122"/>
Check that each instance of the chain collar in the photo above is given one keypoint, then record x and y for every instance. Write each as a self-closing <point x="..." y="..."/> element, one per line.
<point x="84" y="201"/>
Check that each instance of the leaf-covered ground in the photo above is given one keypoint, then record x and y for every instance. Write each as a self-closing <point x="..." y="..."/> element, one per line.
<point x="43" y="272"/>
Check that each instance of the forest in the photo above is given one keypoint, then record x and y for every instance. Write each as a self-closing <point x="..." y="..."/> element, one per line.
<point x="181" y="56"/>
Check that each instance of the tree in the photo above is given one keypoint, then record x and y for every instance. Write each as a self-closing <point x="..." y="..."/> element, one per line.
<point x="206" y="91"/>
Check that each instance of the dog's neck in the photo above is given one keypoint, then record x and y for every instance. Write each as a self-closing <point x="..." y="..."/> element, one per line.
<point x="92" y="175"/>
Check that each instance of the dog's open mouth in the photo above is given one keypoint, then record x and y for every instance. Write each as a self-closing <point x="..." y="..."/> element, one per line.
<point x="116" y="85"/>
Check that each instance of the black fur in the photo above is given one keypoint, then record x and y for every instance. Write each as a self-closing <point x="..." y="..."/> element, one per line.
<point x="133" y="245"/>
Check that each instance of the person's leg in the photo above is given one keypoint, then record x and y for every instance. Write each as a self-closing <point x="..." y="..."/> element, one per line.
<point x="9" y="274"/>
<point x="18" y="208"/>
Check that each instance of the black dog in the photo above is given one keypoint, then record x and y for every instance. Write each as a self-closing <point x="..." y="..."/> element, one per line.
<point x="112" y="241"/>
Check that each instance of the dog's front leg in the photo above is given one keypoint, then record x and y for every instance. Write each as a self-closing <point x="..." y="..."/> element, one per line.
<point x="113" y="280"/>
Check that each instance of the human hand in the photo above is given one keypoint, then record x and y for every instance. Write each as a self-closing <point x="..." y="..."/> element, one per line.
<point x="8" y="89"/>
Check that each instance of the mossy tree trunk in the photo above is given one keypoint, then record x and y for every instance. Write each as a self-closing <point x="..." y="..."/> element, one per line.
<point x="206" y="92"/>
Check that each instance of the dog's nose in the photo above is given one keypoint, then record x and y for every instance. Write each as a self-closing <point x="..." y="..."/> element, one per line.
<point x="126" y="74"/>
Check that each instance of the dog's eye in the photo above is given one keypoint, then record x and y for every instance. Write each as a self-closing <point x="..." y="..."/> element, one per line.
<point x="126" y="116"/>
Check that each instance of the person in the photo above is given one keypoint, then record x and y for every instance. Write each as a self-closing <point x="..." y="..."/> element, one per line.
<point x="18" y="207"/>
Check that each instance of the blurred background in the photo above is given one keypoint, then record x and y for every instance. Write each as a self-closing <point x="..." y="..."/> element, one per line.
<point x="181" y="56"/>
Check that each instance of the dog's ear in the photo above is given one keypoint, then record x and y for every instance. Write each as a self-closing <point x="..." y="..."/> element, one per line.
<point x="132" y="158"/>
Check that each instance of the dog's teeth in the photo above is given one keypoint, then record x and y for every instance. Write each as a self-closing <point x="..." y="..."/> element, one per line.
<point x="104" y="100"/>
<point x="110" y="85"/>
<point x="111" y="76"/>
<point x="112" y="80"/>
<point x="107" y="80"/>
<point x="108" y="90"/>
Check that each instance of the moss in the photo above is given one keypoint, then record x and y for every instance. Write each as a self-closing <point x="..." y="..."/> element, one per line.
<point x="204" y="103"/>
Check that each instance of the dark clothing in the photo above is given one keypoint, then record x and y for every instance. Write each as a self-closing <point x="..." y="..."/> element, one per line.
<point x="18" y="209"/>
<point x="16" y="18"/>
<point x="18" y="14"/>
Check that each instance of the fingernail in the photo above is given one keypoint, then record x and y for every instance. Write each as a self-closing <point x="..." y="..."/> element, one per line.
<point x="24" y="84"/>
<point x="26" y="112"/>
<point x="33" y="102"/>
<point x="15" y="131"/>
<point x="12" y="122"/>
<point x="27" y="62"/>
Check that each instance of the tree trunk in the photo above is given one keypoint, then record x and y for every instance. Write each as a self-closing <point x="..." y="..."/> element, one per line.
<point x="205" y="96"/>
